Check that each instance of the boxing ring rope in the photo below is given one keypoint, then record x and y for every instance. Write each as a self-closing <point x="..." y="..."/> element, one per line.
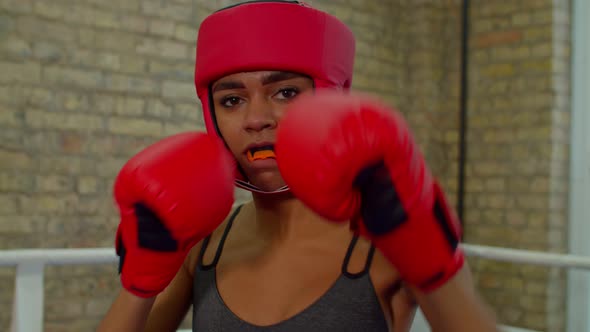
<point x="58" y="256"/>
<point x="528" y="257"/>
<point x="27" y="312"/>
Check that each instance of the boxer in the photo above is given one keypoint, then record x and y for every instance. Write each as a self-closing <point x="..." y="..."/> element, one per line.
<point x="346" y="230"/>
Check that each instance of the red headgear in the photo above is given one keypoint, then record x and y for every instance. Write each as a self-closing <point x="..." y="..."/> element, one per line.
<point x="272" y="35"/>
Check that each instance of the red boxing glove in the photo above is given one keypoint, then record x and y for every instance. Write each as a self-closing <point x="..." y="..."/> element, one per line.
<point x="170" y="196"/>
<point x="350" y="157"/>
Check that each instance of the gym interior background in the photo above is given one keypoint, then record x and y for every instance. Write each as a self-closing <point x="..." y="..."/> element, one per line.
<point x="85" y="84"/>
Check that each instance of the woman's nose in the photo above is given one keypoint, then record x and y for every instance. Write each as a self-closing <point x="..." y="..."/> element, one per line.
<point x="259" y="115"/>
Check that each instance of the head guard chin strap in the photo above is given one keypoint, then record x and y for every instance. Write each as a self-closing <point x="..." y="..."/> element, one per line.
<point x="271" y="35"/>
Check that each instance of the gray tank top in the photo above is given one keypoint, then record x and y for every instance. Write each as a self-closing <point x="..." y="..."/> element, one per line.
<point x="350" y="304"/>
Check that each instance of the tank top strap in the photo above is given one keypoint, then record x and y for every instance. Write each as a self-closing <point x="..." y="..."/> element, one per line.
<point x="346" y="261"/>
<point x="219" y="250"/>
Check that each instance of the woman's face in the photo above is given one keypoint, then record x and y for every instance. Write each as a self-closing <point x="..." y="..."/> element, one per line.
<point x="248" y="107"/>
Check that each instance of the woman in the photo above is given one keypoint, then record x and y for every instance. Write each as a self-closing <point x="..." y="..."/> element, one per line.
<point x="274" y="263"/>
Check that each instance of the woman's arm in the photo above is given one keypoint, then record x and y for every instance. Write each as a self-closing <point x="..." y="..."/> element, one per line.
<point x="403" y="307"/>
<point x="456" y="306"/>
<point x="164" y="312"/>
<point x="127" y="313"/>
<point x="172" y="305"/>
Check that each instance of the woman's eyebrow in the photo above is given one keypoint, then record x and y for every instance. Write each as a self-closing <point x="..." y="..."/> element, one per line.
<point x="229" y="85"/>
<point x="272" y="77"/>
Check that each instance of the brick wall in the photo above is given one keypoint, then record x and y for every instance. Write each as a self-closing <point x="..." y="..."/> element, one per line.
<point x="85" y="84"/>
<point x="518" y="153"/>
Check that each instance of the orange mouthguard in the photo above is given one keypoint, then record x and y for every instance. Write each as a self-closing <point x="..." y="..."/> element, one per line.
<point x="260" y="155"/>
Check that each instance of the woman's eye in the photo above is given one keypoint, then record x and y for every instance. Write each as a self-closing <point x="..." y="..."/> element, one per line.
<point x="230" y="101"/>
<point x="287" y="93"/>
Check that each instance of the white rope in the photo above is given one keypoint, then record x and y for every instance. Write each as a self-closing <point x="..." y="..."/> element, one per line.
<point x="528" y="257"/>
<point x="58" y="256"/>
<point x="107" y="256"/>
<point x="37" y="258"/>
